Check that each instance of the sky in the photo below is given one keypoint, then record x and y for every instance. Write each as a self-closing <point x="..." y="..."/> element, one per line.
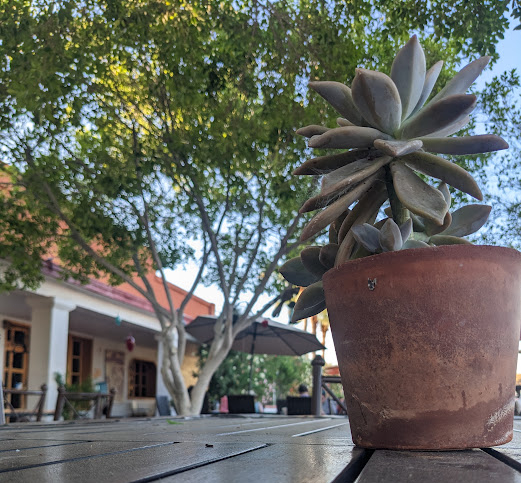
<point x="509" y="50"/>
<point x="509" y="58"/>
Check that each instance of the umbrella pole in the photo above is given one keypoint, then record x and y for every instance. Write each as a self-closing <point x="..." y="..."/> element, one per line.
<point x="252" y="352"/>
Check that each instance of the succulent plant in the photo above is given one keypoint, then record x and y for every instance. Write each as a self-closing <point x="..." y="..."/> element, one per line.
<point x="388" y="133"/>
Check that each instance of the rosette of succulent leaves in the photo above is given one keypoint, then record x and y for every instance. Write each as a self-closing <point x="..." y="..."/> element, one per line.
<point x="388" y="133"/>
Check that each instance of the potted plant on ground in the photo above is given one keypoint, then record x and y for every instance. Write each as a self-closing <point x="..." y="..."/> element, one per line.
<point x="425" y="325"/>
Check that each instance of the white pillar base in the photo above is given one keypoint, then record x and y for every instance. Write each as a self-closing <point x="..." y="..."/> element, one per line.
<point x="49" y="339"/>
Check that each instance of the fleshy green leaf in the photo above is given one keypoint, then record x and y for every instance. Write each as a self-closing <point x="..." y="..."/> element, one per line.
<point x="417" y="223"/>
<point x="369" y="204"/>
<point x="349" y="175"/>
<point x="430" y="79"/>
<point x="390" y="236"/>
<point x="335" y="226"/>
<point x="463" y="79"/>
<point x="328" y="254"/>
<point x="311" y="261"/>
<point x="416" y="195"/>
<point x="365" y="211"/>
<point x="484" y="143"/>
<point x="440" y="168"/>
<point x="361" y="252"/>
<point x="467" y="220"/>
<point x="397" y="148"/>
<point x="414" y="244"/>
<point x="408" y="74"/>
<point x="340" y="97"/>
<point x="368" y="236"/>
<point x="448" y="240"/>
<point x="311" y="302"/>
<point x="344" y="122"/>
<point x="326" y="164"/>
<point x="406" y="230"/>
<point x="451" y="129"/>
<point x="377" y="99"/>
<point x="325" y="217"/>
<point x="444" y="190"/>
<point x="312" y="130"/>
<point x="352" y="193"/>
<point x="295" y="273"/>
<point x="347" y="138"/>
<point x="437" y="116"/>
<point x="432" y="228"/>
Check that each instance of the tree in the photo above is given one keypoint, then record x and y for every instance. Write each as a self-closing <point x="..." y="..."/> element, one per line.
<point x="138" y="134"/>
<point x="500" y="102"/>
<point x="271" y="374"/>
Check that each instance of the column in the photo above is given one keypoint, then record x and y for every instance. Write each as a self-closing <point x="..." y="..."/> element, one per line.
<point x="49" y="339"/>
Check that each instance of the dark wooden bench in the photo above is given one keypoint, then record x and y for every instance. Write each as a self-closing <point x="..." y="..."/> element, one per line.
<point x="100" y="402"/>
<point x="13" y="414"/>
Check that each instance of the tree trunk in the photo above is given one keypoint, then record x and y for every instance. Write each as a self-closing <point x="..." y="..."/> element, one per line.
<point x="208" y="370"/>
<point x="185" y="404"/>
<point x="172" y="375"/>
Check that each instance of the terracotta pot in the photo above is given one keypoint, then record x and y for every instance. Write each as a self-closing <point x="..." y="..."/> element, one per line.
<point x="427" y="344"/>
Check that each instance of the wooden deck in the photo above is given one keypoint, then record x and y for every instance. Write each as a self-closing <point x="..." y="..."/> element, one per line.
<point x="228" y="449"/>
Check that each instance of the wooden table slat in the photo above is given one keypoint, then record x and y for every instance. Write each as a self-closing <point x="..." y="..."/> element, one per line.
<point x="474" y="466"/>
<point x="275" y="464"/>
<point x="252" y="448"/>
<point x="59" y="454"/>
<point x="145" y="464"/>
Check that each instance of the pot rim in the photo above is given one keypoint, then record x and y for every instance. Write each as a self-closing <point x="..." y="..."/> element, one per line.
<point x="424" y="253"/>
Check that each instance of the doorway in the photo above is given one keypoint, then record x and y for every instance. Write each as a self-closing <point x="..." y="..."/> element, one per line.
<point x="79" y="361"/>
<point x="16" y="366"/>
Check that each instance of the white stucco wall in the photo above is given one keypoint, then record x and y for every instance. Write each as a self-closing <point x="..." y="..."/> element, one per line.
<point x="17" y="309"/>
<point x="81" y="297"/>
<point x="48" y="356"/>
<point x="100" y="345"/>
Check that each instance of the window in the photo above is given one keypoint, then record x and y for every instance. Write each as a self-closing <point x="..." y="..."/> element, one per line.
<point x="16" y="353"/>
<point x="142" y="379"/>
<point x="79" y="360"/>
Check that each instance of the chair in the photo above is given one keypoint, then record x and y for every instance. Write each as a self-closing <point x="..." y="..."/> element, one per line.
<point x="241" y="404"/>
<point x="98" y="402"/>
<point x="281" y="404"/>
<point x="298" y="405"/>
<point x="22" y="414"/>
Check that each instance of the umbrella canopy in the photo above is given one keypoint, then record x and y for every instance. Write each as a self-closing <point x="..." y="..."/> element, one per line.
<point x="264" y="336"/>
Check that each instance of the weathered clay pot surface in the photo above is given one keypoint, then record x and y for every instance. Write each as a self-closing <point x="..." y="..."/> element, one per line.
<point x="428" y="357"/>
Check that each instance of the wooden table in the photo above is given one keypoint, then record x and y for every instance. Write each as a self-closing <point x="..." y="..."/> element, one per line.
<point x="228" y="449"/>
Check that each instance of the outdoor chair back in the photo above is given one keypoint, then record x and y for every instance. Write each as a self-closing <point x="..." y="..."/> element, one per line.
<point x="241" y="404"/>
<point x="281" y="404"/>
<point x="298" y="405"/>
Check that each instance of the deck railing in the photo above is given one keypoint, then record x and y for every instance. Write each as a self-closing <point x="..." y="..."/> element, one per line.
<point x="99" y="402"/>
<point x="22" y="414"/>
<point x="321" y="382"/>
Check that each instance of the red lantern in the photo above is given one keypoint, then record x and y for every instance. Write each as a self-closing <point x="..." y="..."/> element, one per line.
<point x="131" y="342"/>
<point x="265" y="323"/>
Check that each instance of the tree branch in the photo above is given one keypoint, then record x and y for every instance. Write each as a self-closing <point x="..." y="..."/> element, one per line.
<point x="283" y="249"/>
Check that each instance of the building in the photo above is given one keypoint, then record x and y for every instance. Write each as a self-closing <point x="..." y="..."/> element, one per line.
<point x="80" y="331"/>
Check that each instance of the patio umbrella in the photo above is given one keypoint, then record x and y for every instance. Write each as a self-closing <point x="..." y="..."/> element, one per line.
<point x="264" y="336"/>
